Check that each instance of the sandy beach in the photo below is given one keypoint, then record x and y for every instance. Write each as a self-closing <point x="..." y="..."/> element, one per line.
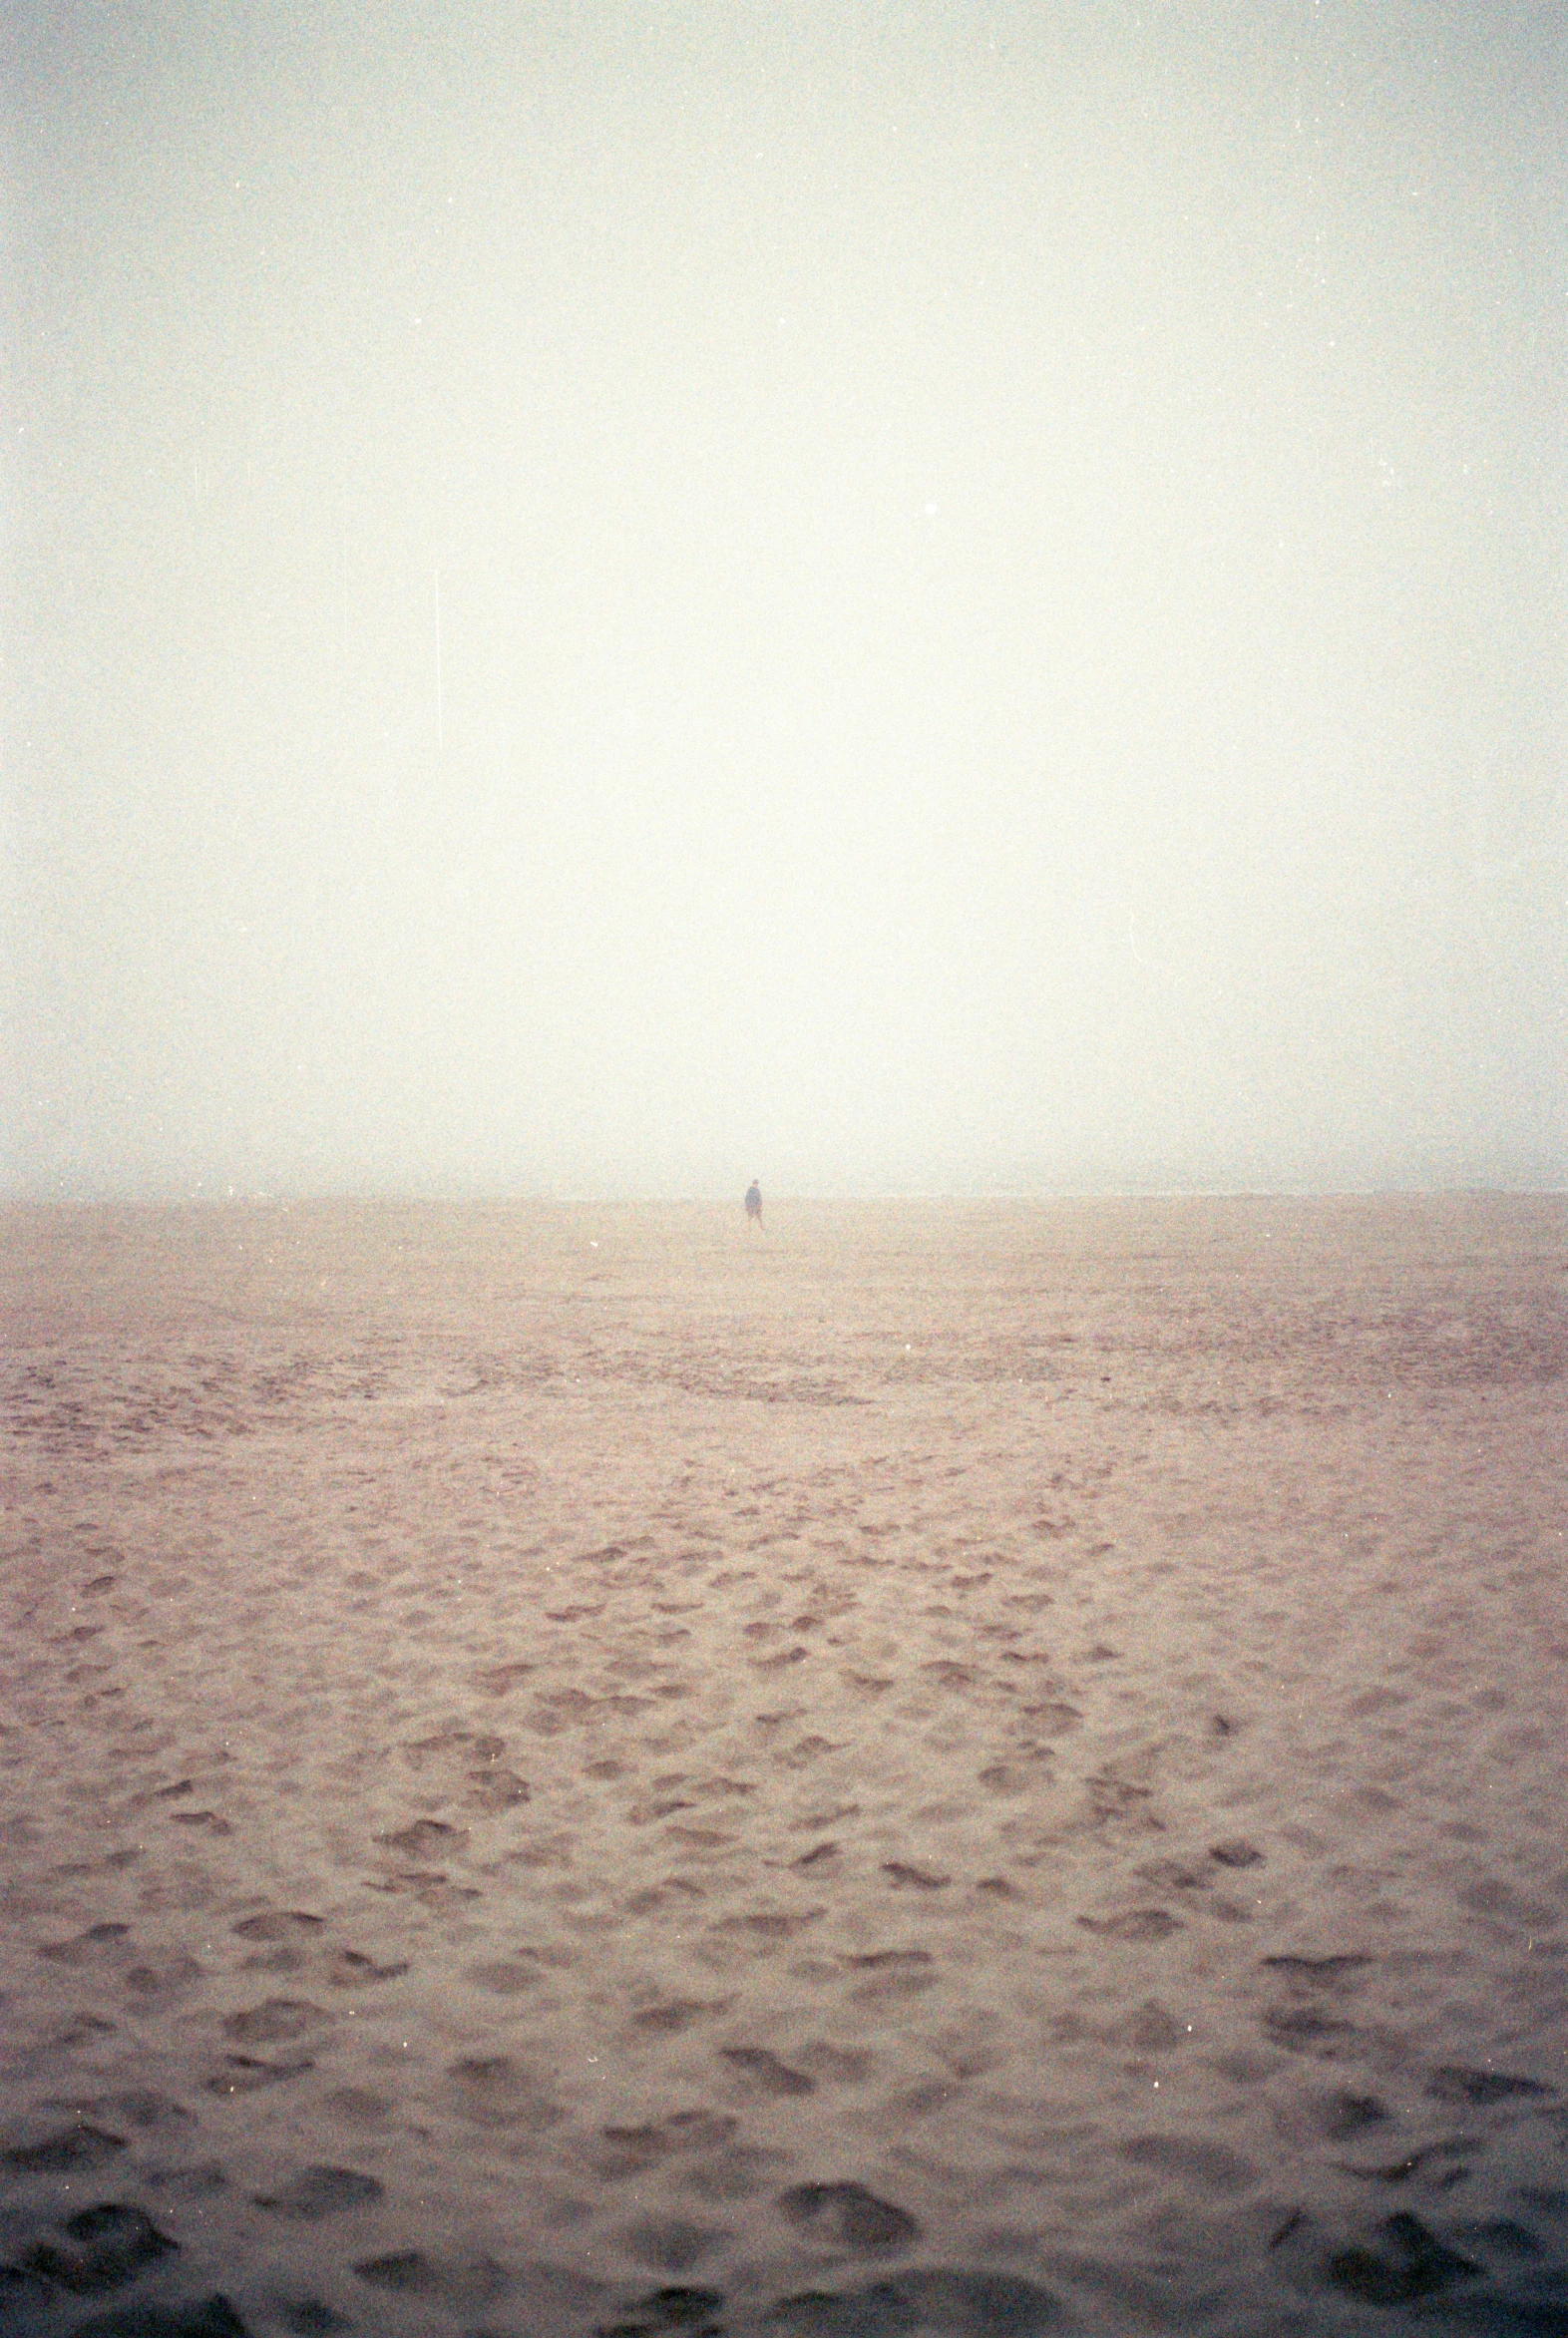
<point x="934" y="1768"/>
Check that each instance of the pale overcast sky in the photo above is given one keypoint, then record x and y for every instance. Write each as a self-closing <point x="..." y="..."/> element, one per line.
<point x="943" y="597"/>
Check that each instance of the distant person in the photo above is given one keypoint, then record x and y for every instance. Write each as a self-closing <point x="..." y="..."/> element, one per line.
<point x="754" y="1203"/>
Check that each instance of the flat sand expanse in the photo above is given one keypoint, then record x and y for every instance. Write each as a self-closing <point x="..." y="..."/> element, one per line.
<point x="973" y="1768"/>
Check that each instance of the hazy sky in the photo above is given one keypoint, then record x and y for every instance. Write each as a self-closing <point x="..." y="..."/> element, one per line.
<point x="912" y="596"/>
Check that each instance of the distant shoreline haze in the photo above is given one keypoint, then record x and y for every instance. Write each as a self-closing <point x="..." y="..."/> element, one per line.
<point x="925" y="597"/>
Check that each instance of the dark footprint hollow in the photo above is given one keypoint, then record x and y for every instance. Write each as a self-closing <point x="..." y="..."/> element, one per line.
<point x="75" y="2147"/>
<point x="408" y="2273"/>
<point x="1236" y="1853"/>
<point x="103" y="2247"/>
<point x="1300" y="2029"/>
<point x="1453" y="2081"/>
<point x="1417" y="2265"/>
<point x="849" y="2215"/>
<point x="692" y="2310"/>
<point x="977" y="2305"/>
<point x="207" y="2317"/>
<point x="425" y="1836"/>
<point x="95" y="1940"/>
<point x="766" y="2072"/>
<point x="321" y="2191"/>
<point x="1339" y="2115"/>
<point x="493" y="2092"/>
<point x="350" y="1970"/>
<point x="1316" y="1970"/>
<point x="279" y="2020"/>
<point x="1135" y="1924"/>
<point x="284" y="1924"/>
<point x="310" y="2317"/>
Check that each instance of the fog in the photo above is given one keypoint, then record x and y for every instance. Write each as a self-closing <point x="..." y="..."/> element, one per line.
<point x="929" y="598"/>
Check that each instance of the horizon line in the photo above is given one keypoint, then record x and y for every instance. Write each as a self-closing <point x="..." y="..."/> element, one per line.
<point x="503" y="1197"/>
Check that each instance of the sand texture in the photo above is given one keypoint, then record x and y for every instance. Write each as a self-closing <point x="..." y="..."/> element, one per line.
<point x="933" y="1768"/>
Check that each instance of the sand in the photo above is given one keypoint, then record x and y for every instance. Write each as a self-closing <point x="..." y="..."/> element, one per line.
<point x="937" y="1768"/>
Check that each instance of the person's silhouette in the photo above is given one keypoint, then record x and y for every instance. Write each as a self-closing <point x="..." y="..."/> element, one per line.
<point x="754" y="1202"/>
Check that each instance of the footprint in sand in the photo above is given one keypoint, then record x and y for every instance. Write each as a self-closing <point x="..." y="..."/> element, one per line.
<point x="278" y="2021"/>
<point x="847" y="2215"/>
<point x="476" y="1758"/>
<point x="822" y="1856"/>
<point x="491" y="2091"/>
<point x="466" y="1743"/>
<point x="667" y="2021"/>
<point x="690" y="2311"/>
<point x="841" y="2066"/>
<point x="430" y="1886"/>
<point x="1174" y="1875"/>
<point x="210" y="2317"/>
<point x="348" y="1969"/>
<point x="1300" y="2025"/>
<point x="101" y="2249"/>
<point x="1414" y="2263"/>
<point x="138" y="2107"/>
<point x="1133" y="1924"/>
<point x="1453" y="2081"/>
<point x="294" y="1937"/>
<point x="807" y="1751"/>
<point x="1303" y="2029"/>
<point x="1316" y="1970"/>
<point x="765" y="1932"/>
<point x="1150" y="2028"/>
<point x="279" y="1925"/>
<point x="93" y="1946"/>
<point x="72" y="2151"/>
<point x="906" y="1877"/>
<point x="893" y="1972"/>
<point x="505" y="1976"/>
<point x="981" y="2305"/>
<point x="762" y="2072"/>
<point x="1337" y="2115"/>
<point x="162" y="1978"/>
<point x="82" y="2029"/>
<point x="321" y="2191"/>
<point x="500" y="1678"/>
<point x="1018" y="1776"/>
<point x="1402" y="2169"/>
<point x="622" y="2152"/>
<point x="496" y="1790"/>
<point x="818" y="1822"/>
<point x="310" y="2317"/>
<point x="454" y="2282"/>
<point x="425" y="1839"/>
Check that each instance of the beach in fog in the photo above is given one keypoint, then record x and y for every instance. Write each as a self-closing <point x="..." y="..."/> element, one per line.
<point x="966" y="1768"/>
<point x="957" y="598"/>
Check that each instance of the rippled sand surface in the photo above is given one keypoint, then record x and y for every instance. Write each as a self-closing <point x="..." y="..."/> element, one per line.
<point x="973" y="1768"/>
